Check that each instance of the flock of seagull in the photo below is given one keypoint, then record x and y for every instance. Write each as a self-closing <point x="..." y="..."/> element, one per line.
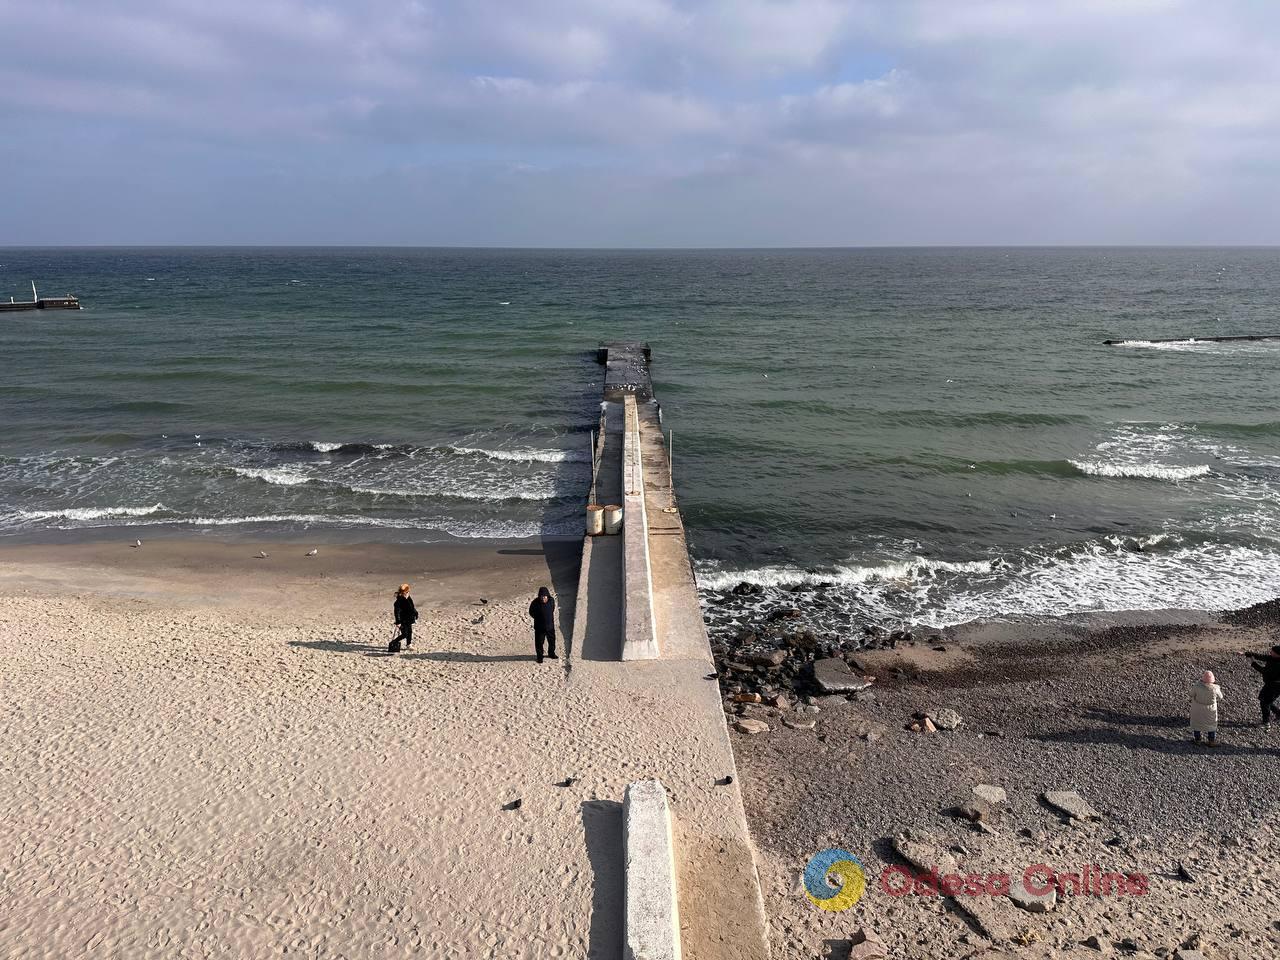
<point x="262" y="554"/>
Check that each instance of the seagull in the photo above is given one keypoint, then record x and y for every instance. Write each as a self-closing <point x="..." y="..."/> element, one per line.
<point x="312" y="552"/>
<point x="1053" y="516"/>
<point x="262" y="555"/>
<point x="136" y="543"/>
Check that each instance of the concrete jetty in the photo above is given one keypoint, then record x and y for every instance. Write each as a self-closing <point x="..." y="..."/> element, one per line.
<point x="637" y="602"/>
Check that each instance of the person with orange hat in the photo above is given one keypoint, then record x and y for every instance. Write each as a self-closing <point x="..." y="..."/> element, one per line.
<point x="1204" y="708"/>
<point x="406" y="615"/>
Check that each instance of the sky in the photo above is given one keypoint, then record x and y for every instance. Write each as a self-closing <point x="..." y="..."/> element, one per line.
<point x="640" y="123"/>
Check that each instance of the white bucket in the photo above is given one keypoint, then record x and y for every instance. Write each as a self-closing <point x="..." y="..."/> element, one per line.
<point x="595" y="519"/>
<point x="612" y="519"/>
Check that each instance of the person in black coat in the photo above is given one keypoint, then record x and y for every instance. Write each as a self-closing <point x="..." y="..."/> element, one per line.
<point x="1268" y="664"/>
<point x="406" y="615"/>
<point x="543" y="612"/>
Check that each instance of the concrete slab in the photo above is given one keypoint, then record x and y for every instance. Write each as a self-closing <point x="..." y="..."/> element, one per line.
<point x="652" y="929"/>
<point x="639" y="640"/>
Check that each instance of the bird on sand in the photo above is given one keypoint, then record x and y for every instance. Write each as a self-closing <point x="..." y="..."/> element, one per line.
<point x="312" y="552"/>
<point x="136" y="543"/>
<point x="262" y="555"/>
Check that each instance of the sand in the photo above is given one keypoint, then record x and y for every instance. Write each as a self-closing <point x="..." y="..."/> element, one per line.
<point x="210" y="755"/>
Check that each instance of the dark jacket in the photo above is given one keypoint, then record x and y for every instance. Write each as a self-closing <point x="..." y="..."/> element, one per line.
<point x="1267" y="664"/>
<point x="543" y="614"/>
<point x="406" y="612"/>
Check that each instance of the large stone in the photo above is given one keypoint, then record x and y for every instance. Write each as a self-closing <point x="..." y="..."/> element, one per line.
<point x="749" y="726"/>
<point x="833" y="675"/>
<point x="1032" y="901"/>
<point x="992" y="795"/>
<point x="747" y="698"/>
<point x="765" y="658"/>
<point x="944" y="718"/>
<point x="976" y="809"/>
<point x="1072" y="804"/>
<point x="798" y="724"/>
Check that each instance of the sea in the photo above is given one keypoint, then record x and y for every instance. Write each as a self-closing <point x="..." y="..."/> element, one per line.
<point x="932" y="435"/>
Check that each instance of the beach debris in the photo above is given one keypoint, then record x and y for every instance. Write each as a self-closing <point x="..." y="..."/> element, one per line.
<point x="975" y="810"/>
<point x="796" y="724"/>
<point x="747" y="698"/>
<point x="944" y="718"/>
<point x="832" y="675"/>
<point x="567" y="782"/>
<point x="725" y="780"/>
<point x="312" y="552"/>
<point x="514" y="804"/>
<point x="865" y="945"/>
<point x="483" y="601"/>
<point x="136" y="543"/>
<point x="478" y="620"/>
<point x="262" y="555"/>
<point x="1071" y="804"/>
<point x="991" y="794"/>
<point x="928" y="856"/>
<point x="712" y="676"/>
<point x="1184" y="874"/>
<point x="1033" y="901"/>
<point x="1095" y="942"/>
<point x="751" y="727"/>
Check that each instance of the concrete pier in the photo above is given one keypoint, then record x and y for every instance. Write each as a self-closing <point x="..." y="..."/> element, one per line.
<point x="638" y="602"/>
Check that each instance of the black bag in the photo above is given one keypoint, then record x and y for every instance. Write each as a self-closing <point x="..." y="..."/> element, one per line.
<point x="394" y="645"/>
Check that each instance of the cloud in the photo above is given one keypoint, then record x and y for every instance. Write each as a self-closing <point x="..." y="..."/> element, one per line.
<point x="654" y="121"/>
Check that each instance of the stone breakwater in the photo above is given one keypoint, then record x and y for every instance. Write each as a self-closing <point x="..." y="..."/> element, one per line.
<point x="785" y="651"/>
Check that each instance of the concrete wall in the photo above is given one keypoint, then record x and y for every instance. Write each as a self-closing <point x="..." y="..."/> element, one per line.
<point x="652" y="913"/>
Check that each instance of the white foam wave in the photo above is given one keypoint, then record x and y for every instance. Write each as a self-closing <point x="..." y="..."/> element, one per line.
<point x="1103" y="576"/>
<point x="281" y="476"/>
<point x="89" y="513"/>
<point x="1144" y="471"/>
<point x="527" y="455"/>
<point x="901" y="572"/>
<point x="322" y="447"/>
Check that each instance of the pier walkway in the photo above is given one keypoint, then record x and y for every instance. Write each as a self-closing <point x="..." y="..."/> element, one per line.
<point x="638" y="603"/>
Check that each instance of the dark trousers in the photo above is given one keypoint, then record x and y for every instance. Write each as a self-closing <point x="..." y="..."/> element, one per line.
<point x="541" y="634"/>
<point x="1267" y="697"/>
<point x="406" y="634"/>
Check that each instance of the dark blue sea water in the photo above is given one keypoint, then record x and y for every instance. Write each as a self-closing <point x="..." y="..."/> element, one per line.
<point x="938" y="432"/>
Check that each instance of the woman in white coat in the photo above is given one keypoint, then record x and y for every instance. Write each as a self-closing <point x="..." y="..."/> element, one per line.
<point x="1204" y="708"/>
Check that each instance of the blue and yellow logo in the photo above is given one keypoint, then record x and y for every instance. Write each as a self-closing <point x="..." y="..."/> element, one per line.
<point x="846" y="868"/>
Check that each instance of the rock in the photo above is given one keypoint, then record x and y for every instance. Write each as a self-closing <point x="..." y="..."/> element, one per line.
<point x="975" y="809"/>
<point x="1097" y="943"/>
<point x="1072" y="804"/>
<point x="779" y="701"/>
<point x="1185" y="874"/>
<point x="747" y="698"/>
<point x="783" y="613"/>
<point x="915" y="728"/>
<point x="992" y="795"/>
<point x="833" y="700"/>
<point x="799" y="724"/>
<point x="745" y="589"/>
<point x="1030" y="901"/>
<point x="766" y="658"/>
<point x="871" y="736"/>
<point x="865" y="945"/>
<point x="832" y="675"/>
<point x="1189" y="955"/>
<point x="751" y="727"/>
<point x="928" y="726"/>
<point x="944" y="718"/>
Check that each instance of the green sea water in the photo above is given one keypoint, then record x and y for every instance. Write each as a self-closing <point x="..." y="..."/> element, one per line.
<point x="939" y="433"/>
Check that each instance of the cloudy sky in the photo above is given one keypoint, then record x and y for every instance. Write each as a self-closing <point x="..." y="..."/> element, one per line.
<point x="640" y="122"/>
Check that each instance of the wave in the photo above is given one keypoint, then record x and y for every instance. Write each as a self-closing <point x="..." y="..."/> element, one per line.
<point x="525" y="455"/>
<point x="280" y="476"/>
<point x="1142" y="471"/>
<point x="1158" y="572"/>
<point x="461" y="529"/>
<point x="89" y="513"/>
<point x="917" y="568"/>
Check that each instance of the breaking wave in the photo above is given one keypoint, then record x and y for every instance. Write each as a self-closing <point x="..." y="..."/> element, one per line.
<point x="1142" y="471"/>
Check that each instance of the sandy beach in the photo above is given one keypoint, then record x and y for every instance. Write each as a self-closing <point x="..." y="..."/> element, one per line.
<point x="1098" y="707"/>
<point x="210" y="755"/>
